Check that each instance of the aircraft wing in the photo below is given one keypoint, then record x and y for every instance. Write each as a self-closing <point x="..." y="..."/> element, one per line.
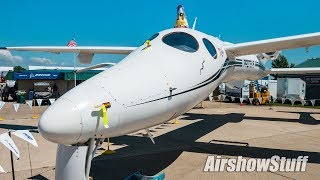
<point x="79" y="49"/>
<point x="293" y="71"/>
<point x="85" y="53"/>
<point x="273" y="45"/>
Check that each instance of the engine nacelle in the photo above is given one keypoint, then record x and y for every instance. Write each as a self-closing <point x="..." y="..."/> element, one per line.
<point x="269" y="55"/>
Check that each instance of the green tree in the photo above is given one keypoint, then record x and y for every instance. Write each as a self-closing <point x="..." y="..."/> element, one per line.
<point x="292" y="65"/>
<point x="18" y="68"/>
<point x="280" y="62"/>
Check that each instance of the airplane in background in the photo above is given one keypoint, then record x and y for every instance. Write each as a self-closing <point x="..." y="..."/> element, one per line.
<point x="173" y="71"/>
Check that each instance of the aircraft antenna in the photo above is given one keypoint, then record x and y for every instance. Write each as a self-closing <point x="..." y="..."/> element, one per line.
<point x="194" y="23"/>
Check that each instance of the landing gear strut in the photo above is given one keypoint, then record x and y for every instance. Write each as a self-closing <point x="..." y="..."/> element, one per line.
<point x="74" y="162"/>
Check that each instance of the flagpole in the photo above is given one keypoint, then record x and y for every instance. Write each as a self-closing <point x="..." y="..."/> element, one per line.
<point x="74" y="44"/>
<point x="30" y="159"/>
<point x="75" y="73"/>
<point x="11" y="159"/>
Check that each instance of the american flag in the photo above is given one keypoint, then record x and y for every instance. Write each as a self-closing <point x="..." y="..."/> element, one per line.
<point x="72" y="43"/>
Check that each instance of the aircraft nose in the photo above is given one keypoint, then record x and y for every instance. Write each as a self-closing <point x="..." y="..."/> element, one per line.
<point x="61" y="122"/>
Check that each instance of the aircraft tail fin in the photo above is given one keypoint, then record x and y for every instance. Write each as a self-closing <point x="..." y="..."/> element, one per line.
<point x="315" y="70"/>
<point x="181" y="21"/>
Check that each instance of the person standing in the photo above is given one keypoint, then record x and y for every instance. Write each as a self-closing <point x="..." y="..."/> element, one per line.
<point x="55" y="92"/>
<point x="6" y="90"/>
<point x="1" y="93"/>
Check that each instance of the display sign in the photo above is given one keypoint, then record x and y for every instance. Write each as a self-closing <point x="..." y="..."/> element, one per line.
<point x="36" y="75"/>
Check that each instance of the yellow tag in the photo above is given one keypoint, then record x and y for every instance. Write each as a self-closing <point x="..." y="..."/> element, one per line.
<point x="147" y="43"/>
<point x="105" y="116"/>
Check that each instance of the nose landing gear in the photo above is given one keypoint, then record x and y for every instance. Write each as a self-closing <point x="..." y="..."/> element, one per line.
<point x="74" y="162"/>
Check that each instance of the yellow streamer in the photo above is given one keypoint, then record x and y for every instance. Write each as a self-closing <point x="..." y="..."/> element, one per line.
<point x="105" y="116"/>
<point x="147" y="43"/>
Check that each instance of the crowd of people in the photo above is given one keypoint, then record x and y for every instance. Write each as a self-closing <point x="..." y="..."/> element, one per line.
<point x="6" y="91"/>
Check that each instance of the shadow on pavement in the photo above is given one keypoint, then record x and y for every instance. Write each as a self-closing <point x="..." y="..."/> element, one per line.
<point x="18" y="127"/>
<point x="38" y="177"/>
<point x="140" y="153"/>
<point x="305" y="117"/>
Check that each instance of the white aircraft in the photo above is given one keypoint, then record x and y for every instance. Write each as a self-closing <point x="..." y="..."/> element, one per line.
<point x="171" y="73"/>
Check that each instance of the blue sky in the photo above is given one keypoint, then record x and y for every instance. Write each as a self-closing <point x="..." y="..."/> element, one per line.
<point x="129" y="23"/>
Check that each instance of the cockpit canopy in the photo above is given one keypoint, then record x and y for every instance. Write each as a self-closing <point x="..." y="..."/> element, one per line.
<point x="210" y="47"/>
<point x="186" y="42"/>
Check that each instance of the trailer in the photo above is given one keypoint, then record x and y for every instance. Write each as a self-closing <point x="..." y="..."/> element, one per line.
<point x="291" y="88"/>
<point x="272" y="88"/>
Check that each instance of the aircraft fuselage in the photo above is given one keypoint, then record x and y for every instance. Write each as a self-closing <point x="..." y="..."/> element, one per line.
<point x="155" y="83"/>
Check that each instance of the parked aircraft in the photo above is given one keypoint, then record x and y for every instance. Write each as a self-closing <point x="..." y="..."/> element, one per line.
<point x="168" y="75"/>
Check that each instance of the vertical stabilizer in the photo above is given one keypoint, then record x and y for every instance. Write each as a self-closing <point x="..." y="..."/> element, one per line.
<point x="181" y="21"/>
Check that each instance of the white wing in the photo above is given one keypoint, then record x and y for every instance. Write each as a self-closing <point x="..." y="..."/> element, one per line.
<point x="79" y="49"/>
<point x="85" y="53"/>
<point x="273" y="45"/>
<point x="293" y="71"/>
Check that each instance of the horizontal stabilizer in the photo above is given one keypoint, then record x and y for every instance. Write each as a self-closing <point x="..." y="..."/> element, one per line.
<point x="94" y="67"/>
<point x="293" y="71"/>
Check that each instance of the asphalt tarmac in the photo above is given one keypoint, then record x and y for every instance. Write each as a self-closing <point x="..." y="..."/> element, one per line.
<point x="181" y="150"/>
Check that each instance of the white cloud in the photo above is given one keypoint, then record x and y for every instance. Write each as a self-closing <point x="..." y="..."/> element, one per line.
<point x="7" y="58"/>
<point x="42" y="61"/>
